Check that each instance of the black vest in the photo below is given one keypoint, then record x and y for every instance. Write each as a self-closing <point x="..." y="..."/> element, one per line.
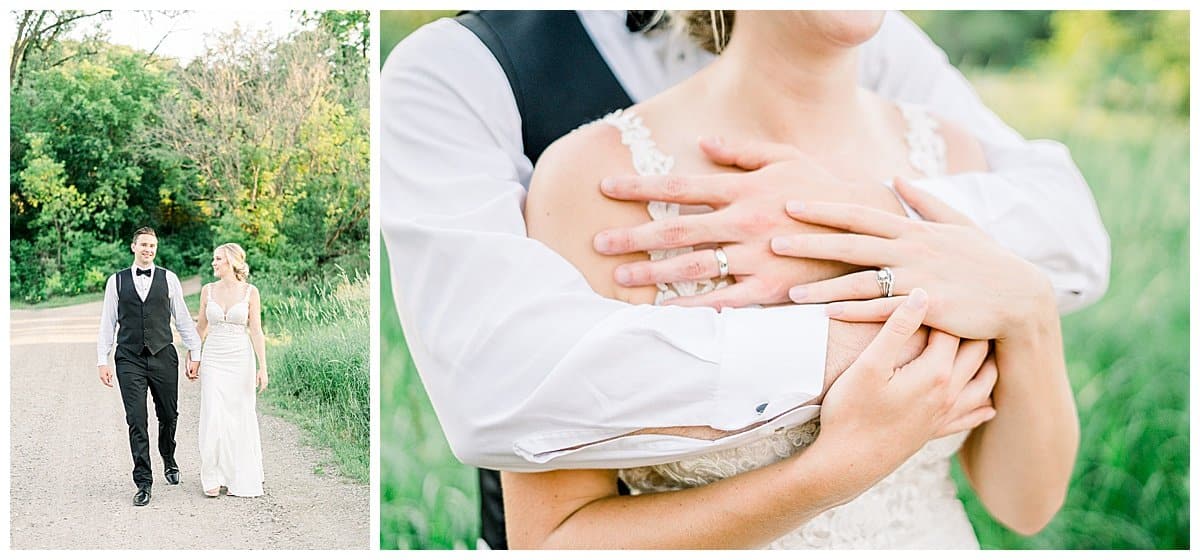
<point x="559" y="79"/>
<point x="143" y="324"/>
<point x="560" y="82"/>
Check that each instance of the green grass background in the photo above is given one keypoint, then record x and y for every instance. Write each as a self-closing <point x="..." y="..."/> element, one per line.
<point x="318" y="356"/>
<point x="1127" y="355"/>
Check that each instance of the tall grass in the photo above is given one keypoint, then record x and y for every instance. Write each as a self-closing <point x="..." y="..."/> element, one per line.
<point x="318" y="357"/>
<point x="428" y="499"/>
<point x="1127" y="356"/>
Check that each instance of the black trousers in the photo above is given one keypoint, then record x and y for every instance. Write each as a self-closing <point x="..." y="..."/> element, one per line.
<point x="137" y="371"/>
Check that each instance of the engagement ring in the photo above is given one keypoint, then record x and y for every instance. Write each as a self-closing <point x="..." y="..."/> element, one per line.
<point x="885" y="279"/>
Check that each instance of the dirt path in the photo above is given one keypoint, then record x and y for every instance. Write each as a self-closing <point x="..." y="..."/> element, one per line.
<point x="70" y="481"/>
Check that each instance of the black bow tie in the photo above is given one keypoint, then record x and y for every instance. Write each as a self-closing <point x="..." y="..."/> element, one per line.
<point x="144" y="272"/>
<point x="637" y="21"/>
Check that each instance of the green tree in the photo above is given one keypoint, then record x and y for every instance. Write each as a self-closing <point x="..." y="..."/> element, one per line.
<point x="350" y="32"/>
<point x="1124" y="60"/>
<point x="260" y="141"/>
<point x="37" y="38"/>
<point x="90" y="114"/>
<point x="60" y="206"/>
<point x="280" y="152"/>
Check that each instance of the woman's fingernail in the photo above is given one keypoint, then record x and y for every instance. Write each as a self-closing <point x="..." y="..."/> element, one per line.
<point x="798" y="293"/>
<point x="795" y="207"/>
<point x="917" y="299"/>
<point x="608" y="184"/>
<point x="601" y="242"/>
<point x="779" y="244"/>
<point x="623" y="276"/>
<point x="834" y="309"/>
<point x="716" y="140"/>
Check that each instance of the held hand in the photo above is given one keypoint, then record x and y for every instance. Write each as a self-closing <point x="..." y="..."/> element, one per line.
<point x="983" y="289"/>
<point x="887" y="412"/>
<point x="974" y="404"/>
<point x="193" y="370"/>
<point x="261" y="380"/>
<point x="748" y="211"/>
<point x="106" y="375"/>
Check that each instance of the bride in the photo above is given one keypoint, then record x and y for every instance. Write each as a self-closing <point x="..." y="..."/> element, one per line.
<point x="878" y="475"/>
<point x="230" y="324"/>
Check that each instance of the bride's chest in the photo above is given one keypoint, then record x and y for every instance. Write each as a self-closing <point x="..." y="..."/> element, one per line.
<point x="872" y="165"/>
<point x="237" y="313"/>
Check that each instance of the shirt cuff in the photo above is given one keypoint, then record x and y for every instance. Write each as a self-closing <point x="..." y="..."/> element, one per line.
<point x="774" y="361"/>
<point x="616" y="451"/>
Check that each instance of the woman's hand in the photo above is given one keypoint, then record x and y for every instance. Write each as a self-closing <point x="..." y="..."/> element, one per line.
<point x="983" y="290"/>
<point x="883" y="413"/>
<point x="260" y="380"/>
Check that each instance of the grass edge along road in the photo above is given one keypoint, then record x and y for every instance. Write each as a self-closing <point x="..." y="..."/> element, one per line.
<point x="319" y="363"/>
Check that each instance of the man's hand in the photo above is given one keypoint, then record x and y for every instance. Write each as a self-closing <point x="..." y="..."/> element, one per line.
<point x="749" y="209"/>
<point x="106" y="375"/>
<point x="193" y="370"/>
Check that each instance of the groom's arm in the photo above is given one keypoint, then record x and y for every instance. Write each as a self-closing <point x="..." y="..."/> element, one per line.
<point x="526" y="366"/>
<point x="1034" y="201"/>
<point x="183" y="318"/>
<point x="108" y="323"/>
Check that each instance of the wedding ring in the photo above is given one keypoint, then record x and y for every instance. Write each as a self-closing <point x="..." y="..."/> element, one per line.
<point x="722" y="262"/>
<point x="886" y="280"/>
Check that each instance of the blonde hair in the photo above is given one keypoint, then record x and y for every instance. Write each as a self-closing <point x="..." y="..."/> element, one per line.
<point x="236" y="256"/>
<point x="710" y="29"/>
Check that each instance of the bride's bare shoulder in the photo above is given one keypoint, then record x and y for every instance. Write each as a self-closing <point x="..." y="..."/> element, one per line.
<point x="564" y="208"/>
<point x="964" y="153"/>
<point x="590" y="152"/>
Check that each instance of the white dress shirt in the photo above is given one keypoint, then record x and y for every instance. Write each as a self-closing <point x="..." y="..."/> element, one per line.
<point x="529" y="369"/>
<point x="179" y="312"/>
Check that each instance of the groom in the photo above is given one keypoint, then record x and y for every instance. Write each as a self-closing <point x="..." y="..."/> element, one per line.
<point x="142" y="300"/>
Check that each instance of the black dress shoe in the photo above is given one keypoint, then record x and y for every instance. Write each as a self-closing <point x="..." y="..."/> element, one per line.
<point x="142" y="497"/>
<point x="172" y="475"/>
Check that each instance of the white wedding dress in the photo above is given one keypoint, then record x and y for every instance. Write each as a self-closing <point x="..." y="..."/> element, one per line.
<point x="230" y="448"/>
<point x="914" y="507"/>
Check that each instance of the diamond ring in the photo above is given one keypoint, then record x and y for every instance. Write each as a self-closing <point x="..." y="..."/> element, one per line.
<point x="886" y="281"/>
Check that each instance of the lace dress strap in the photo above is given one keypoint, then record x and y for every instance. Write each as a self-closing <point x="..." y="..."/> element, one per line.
<point x="246" y="293"/>
<point x="926" y="147"/>
<point x="649" y="160"/>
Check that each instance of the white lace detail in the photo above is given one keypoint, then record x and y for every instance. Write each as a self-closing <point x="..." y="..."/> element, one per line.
<point x="232" y="321"/>
<point x="649" y="160"/>
<point x="914" y="507"/>
<point x="926" y="146"/>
